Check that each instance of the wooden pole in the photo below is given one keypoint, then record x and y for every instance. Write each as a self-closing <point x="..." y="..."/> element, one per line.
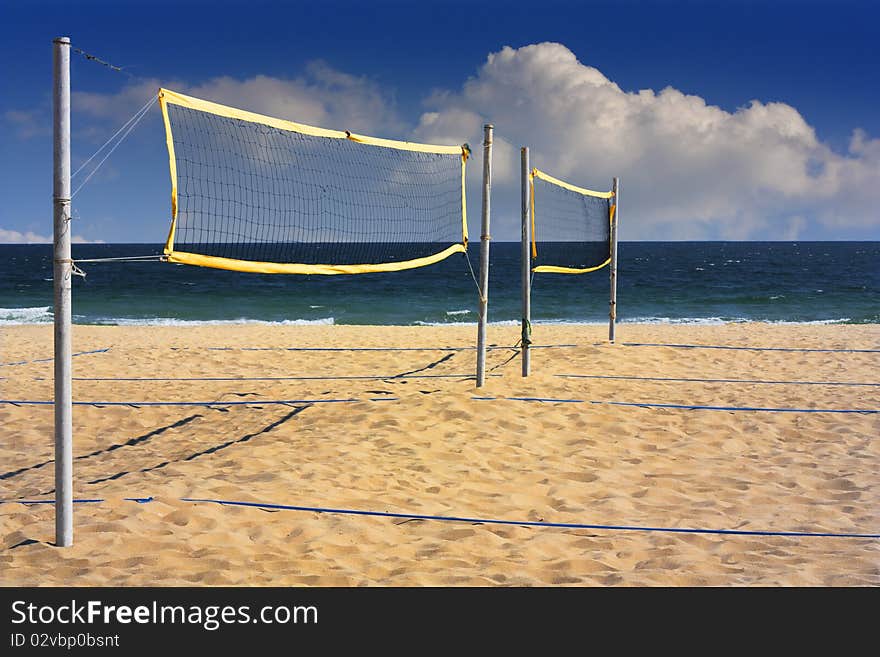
<point x="525" y="255"/>
<point x="612" y="315"/>
<point x="62" y="270"/>
<point x="484" y="255"/>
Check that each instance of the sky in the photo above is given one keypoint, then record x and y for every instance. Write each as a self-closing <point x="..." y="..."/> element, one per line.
<point x="725" y="119"/>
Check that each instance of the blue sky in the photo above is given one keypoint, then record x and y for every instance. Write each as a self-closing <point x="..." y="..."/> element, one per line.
<point x="582" y="83"/>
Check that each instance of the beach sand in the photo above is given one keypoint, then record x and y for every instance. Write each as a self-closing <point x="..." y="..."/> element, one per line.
<point x="430" y="448"/>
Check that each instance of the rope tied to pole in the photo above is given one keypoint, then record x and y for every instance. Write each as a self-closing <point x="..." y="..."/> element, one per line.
<point x="76" y="271"/>
<point x="516" y="351"/>
<point x="482" y="298"/>
<point x="157" y="257"/>
<point x="98" y="60"/>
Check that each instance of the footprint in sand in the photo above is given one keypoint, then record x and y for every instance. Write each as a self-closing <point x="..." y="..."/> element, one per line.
<point x="456" y="534"/>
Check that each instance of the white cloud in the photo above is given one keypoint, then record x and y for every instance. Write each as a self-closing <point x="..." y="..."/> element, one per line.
<point x="29" y="237"/>
<point x="689" y="170"/>
<point x="28" y="123"/>
<point x="322" y="96"/>
<point x="117" y="107"/>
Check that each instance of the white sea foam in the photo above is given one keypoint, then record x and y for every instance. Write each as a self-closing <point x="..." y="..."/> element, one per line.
<point x="169" y="321"/>
<point x="44" y="315"/>
<point x="840" y="320"/>
<point x="694" y="321"/>
<point x="421" y="323"/>
<point x="708" y="321"/>
<point x="503" y="322"/>
<point x="715" y="321"/>
<point x="35" y="315"/>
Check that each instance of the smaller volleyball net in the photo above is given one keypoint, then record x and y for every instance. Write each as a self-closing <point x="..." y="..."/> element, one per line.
<point x="571" y="226"/>
<point x="566" y="229"/>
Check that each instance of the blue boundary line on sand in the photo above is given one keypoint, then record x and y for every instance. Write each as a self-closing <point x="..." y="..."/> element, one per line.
<point x="664" y="378"/>
<point x="277" y="378"/>
<point x="680" y="406"/>
<point x="482" y="521"/>
<point x="135" y="404"/>
<point x="709" y="346"/>
<point x="289" y="402"/>
<point x="47" y="360"/>
<point x="94" y="500"/>
<point x="489" y="348"/>
<point x="740" y="408"/>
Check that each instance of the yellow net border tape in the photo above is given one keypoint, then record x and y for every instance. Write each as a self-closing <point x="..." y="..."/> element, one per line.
<point x="168" y="97"/>
<point x="536" y="173"/>
<point x="254" y="267"/>
<point x="172" y="167"/>
<point x="550" y="269"/>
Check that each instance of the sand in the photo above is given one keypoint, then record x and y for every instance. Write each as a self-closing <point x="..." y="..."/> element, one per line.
<point x="430" y="448"/>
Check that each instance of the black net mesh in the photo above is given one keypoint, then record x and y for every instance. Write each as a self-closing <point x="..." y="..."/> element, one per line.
<point x="572" y="230"/>
<point x="248" y="191"/>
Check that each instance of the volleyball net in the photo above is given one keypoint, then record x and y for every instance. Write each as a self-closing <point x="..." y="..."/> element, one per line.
<point x="259" y="194"/>
<point x="571" y="226"/>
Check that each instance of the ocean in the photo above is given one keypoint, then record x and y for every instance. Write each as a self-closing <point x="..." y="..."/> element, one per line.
<point x="659" y="282"/>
